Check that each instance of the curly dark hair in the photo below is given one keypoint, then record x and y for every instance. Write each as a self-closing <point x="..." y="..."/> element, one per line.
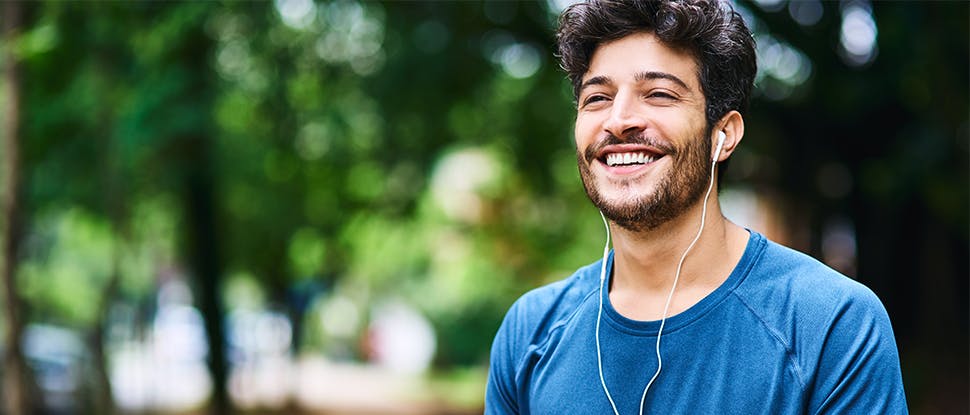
<point x="710" y="30"/>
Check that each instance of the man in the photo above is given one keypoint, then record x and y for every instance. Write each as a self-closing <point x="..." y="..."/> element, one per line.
<point x="689" y="313"/>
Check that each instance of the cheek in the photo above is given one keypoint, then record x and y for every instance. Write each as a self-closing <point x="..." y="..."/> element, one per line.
<point x="584" y="132"/>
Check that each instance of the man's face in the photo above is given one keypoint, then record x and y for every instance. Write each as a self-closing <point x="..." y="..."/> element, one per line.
<point x="641" y="140"/>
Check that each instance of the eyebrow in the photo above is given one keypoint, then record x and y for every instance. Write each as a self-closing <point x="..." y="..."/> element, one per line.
<point x="651" y="75"/>
<point x="596" y="80"/>
<point x="639" y="77"/>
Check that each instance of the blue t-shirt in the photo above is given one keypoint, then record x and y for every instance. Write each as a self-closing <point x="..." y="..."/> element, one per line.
<point x="784" y="334"/>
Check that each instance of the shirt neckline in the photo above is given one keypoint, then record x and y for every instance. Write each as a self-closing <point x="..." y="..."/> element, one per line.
<point x="754" y="246"/>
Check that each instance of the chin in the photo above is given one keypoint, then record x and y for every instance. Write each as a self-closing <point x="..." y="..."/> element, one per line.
<point x="629" y="193"/>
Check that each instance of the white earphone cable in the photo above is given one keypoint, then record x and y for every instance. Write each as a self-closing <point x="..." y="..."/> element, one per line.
<point x="663" y="320"/>
<point x="670" y="296"/>
<point x="599" y="356"/>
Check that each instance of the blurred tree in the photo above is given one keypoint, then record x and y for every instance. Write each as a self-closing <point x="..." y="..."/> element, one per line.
<point x="16" y="392"/>
<point x="183" y="59"/>
<point x="138" y="104"/>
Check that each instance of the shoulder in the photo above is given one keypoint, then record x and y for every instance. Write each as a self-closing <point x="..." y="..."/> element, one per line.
<point x="798" y="297"/>
<point x="781" y="278"/>
<point x="542" y="310"/>
<point x="836" y="330"/>
<point x="528" y="325"/>
<point x="802" y="302"/>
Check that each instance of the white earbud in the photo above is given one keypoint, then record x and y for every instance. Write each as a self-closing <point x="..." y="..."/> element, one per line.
<point x="720" y="143"/>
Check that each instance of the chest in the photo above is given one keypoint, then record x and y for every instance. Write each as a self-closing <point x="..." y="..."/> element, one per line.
<point x="704" y="370"/>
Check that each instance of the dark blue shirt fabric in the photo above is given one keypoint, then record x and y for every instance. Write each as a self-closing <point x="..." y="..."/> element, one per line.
<point x="784" y="334"/>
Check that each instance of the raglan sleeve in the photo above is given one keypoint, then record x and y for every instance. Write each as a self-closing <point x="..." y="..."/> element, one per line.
<point x="501" y="393"/>
<point x="858" y="369"/>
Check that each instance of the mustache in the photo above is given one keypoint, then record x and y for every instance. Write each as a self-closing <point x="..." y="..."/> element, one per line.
<point x="642" y="139"/>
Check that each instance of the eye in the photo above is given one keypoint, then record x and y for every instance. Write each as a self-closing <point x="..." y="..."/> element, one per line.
<point x="592" y="99"/>
<point x="660" y="94"/>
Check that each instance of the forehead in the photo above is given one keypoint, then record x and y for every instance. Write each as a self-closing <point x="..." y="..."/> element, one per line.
<point x="623" y="58"/>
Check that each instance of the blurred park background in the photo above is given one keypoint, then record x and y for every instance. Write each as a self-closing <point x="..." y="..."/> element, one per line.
<point x="327" y="207"/>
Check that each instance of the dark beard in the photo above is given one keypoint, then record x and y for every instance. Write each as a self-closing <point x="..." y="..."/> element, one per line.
<point x="676" y="192"/>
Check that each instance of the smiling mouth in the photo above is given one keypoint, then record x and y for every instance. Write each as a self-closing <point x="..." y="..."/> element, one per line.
<point x="626" y="157"/>
<point x="629" y="159"/>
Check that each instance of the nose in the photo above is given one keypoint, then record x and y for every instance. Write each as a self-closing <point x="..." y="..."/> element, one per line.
<point x="625" y="119"/>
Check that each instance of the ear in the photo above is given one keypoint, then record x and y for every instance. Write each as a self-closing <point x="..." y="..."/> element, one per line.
<point x="732" y="124"/>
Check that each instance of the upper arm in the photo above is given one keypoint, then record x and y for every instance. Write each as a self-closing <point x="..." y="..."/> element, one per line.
<point x="501" y="391"/>
<point x="858" y="369"/>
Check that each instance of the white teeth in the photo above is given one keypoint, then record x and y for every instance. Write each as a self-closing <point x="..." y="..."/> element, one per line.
<point x="614" y="159"/>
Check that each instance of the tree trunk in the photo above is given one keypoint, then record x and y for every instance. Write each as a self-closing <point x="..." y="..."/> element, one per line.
<point x="116" y="204"/>
<point x="205" y="262"/>
<point x="103" y="398"/>
<point x="16" y="396"/>
<point x="200" y="190"/>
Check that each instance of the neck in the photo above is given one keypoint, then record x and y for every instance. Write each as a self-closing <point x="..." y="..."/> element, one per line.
<point x="645" y="263"/>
